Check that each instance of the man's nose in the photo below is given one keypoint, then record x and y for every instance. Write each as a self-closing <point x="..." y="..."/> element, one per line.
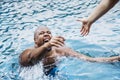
<point x="46" y="33"/>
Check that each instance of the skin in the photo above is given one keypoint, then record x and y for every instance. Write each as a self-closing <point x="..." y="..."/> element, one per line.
<point x="100" y="10"/>
<point x="48" y="48"/>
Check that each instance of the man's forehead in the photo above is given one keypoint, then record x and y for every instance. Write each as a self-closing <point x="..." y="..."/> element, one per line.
<point x="39" y="29"/>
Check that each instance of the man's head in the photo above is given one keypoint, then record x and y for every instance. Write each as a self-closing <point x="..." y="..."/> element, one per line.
<point x="42" y="35"/>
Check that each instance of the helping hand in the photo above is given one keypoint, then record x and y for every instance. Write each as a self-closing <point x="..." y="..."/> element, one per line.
<point x="85" y="27"/>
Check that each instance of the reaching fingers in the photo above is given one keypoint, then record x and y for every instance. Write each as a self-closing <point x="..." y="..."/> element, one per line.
<point x="81" y="20"/>
<point x="85" y="31"/>
<point x="82" y="29"/>
<point x="85" y="26"/>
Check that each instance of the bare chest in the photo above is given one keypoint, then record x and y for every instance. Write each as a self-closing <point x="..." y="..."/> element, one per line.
<point x="52" y="57"/>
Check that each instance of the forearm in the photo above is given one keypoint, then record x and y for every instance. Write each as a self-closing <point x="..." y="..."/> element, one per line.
<point x="39" y="52"/>
<point x="101" y="59"/>
<point x="70" y="52"/>
<point x="108" y="59"/>
<point x="101" y="9"/>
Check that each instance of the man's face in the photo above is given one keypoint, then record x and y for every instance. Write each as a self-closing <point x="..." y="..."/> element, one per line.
<point x="43" y="35"/>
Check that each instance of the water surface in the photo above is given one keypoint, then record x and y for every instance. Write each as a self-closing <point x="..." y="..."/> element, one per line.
<point x="19" y="19"/>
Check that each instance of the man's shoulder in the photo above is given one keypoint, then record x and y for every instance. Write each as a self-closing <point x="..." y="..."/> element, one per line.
<point x="26" y="51"/>
<point x="24" y="57"/>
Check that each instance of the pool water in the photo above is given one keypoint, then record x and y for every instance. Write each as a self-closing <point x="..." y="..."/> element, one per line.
<point x="19" y="19"/>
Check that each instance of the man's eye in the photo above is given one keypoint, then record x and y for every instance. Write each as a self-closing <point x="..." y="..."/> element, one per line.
<point x="49" y="32"/>
<point x="41" y="33"/>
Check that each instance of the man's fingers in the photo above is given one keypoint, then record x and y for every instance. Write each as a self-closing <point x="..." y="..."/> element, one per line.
<point x="82" y="29"/>
<point x="87" y="33"/>
<point x="61" y="41"/>
<point x="56" y="45"/>
<point x="84" y="32"/>
<point x="60" y="37"/>
<point x="57" y="41"/>
<point x="81" y="20"/>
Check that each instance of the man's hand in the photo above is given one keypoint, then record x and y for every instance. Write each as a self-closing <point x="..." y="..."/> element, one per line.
<point x="85" y="27"/>
<point x="56" y="41"/>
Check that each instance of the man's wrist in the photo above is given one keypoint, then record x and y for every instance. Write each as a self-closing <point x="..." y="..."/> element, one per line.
<point x="90" y="20"/>
<point x="47" y="46"/>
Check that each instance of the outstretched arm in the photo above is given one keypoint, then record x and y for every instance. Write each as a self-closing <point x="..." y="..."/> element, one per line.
<point x="107" y="59"/>
<point x="100" y="10"/>
<point x="70" y="52"/>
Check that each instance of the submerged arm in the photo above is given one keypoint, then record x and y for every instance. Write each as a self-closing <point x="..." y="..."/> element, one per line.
<point x="107" y="59"/>
<point x="70" y="52"/>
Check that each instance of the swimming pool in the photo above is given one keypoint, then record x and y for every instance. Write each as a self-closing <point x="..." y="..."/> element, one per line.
<point x="19" y="19"/>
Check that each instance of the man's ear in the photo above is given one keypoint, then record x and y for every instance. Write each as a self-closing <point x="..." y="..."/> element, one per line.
<point x="35" y="40"/>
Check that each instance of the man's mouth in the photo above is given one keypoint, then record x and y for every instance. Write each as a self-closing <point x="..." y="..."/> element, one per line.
<point x="46" y="40"/>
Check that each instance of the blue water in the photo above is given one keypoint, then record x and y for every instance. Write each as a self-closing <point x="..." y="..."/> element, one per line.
<point x="19" y="19"/>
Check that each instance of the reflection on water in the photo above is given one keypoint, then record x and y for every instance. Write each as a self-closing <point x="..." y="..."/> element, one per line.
<point x="19" y="18"/>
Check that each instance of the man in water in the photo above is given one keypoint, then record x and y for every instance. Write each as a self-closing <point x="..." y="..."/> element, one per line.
<point x="47" y="49"/>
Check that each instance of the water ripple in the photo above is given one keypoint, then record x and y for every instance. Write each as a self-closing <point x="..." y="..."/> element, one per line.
<point x="19" y="19"/>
